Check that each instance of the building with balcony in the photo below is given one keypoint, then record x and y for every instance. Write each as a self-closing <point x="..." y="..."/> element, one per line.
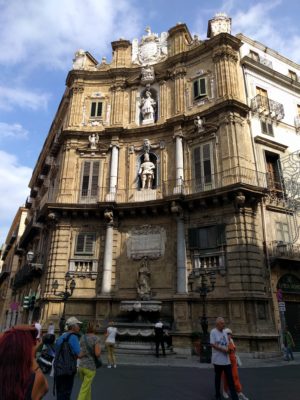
<point x="10" y="303"/>
<point x="151" y="165"/>
<point x="273" y="94"/>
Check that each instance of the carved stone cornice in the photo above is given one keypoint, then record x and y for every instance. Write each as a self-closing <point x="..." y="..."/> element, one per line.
<point x="224" y="52"/>
<point x="177" y="73"/>
<point x="270" y="143"/>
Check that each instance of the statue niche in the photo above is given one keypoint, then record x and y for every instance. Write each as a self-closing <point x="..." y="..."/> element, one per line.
<point x="148" y="107"/>
<point x="147" y="173"/>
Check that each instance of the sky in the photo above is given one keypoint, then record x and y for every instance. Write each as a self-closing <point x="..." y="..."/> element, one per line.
<point x="38" y="39"/>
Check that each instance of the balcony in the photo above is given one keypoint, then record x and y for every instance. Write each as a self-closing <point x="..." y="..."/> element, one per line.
<point x="32" y="229"/>
<point x="225" y="179"/>
<point x="284" y="250"/>
<point x="83" y="268"/>
<point x="214" y="260"/>
<point x="27" y="273"/>
<point x="267" y="108"/>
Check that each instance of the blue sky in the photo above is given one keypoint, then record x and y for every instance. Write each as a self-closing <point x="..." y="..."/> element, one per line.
<point x="38" y="39"/>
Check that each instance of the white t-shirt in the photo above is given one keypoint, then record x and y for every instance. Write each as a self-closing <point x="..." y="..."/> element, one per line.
<point x="220" y="339"/>
<point x="38" y="327"/>
<point x="111" y="335"/>
<point x="51" y="329"/>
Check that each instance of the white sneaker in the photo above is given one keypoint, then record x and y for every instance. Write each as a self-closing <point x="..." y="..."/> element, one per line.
<point x="115" y="366"/>
<point x="225" y="395"/>
<point x="242" y="396"/>
<point x="109" y="366"/>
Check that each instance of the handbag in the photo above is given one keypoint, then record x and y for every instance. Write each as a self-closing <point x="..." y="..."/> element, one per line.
<point x="97" y="360"/>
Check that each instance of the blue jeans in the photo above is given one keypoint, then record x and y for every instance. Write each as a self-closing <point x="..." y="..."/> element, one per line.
<point x="288" y="353"/>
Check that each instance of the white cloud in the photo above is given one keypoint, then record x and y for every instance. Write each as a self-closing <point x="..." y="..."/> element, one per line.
<point x="14" y="180"/>
<point x="49" y="32"/>
<point x="12" y="131"/>
<point x="23" y="98"/>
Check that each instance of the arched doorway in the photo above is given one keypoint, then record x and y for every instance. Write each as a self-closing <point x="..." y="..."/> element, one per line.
<point x="289" y="284"/>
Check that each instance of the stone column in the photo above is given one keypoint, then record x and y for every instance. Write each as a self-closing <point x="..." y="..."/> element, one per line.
<point x="225" y="59"/>
<point x="114" y="168"/>
<point x="132" y="115"/>
<point x="179" y="76"/>
<point x="163" y="100"/>
<point x="181" y="249"/>
<point x="76" y="106"/>
<point x="117" y="103"/>
<point x="179" y="159"/>
<point x="108" y="253"/>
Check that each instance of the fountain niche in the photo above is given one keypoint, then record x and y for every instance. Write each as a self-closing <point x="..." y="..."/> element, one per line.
<point x="137" y="317"/>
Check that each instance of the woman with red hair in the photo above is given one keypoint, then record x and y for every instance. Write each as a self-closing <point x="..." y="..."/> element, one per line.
<point x="20" y="375"/>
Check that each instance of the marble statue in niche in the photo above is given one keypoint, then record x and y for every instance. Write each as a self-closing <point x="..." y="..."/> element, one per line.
<point x="146" y="172"/>
<point x="143" y="280"/>
<point x="148" y="106"/>
<point x="94" y="140"/>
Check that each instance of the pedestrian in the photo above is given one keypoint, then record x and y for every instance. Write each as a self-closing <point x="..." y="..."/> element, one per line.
<point x="159" y="332"/>
<point x="110" y="344"/>
<point x="289" y="344"/>
<point x="234" y="369"/>
<point x="38" y="327"/>
<point x="67" y="350"/>
<point x="20" y="375"/>
<point x="220" y="358"/>
<point x="90" y="348"/>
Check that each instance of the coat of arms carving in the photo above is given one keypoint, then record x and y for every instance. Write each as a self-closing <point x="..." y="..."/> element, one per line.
<point x="152" y="48"/>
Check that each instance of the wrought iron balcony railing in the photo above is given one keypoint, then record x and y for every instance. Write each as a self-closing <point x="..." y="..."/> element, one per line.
<point x="28" y="272"/>
<point x="232" y="176"/>
<point x="280" y="249"/>
<point x="267" y="108"/>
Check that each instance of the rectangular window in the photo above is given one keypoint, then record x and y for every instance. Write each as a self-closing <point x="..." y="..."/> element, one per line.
<point x="254" y="55"/>
<point x="266" y="128"/>
<point x="282" y="232"/>
<point x="273" y="172"/>
<point x="90" y="178"/>
<point x="203" y="167"/>
<point x="292" y="75"/>
<point x="200" y="88"/>
<point x="96" y="109"/>
<point x="298" y="109"/>
<point x="85" y="243"/>
<point x="209" y="237"/>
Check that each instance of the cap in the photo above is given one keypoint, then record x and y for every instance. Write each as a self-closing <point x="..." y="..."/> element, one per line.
<point x="227" y="330"/>
<point x="72" y="321"/>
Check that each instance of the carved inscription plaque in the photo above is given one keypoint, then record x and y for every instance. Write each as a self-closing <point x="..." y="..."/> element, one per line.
<point x="146" y="241"/>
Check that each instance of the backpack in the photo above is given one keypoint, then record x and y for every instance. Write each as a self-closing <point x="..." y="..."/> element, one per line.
<point x="65" y="361"/>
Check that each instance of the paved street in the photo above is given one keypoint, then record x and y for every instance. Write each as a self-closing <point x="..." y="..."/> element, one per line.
<point x="134" y="382"/>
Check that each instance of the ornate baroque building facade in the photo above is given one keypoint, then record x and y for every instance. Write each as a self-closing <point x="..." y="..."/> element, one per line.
<point x="153" y="169"/>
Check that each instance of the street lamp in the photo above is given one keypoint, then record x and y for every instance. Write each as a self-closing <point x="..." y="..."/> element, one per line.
<point x="69" y="289"/>
<point x="204" y="281"/>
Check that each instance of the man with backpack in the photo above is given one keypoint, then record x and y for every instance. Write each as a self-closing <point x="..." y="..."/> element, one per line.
<point x="67" y="349"/>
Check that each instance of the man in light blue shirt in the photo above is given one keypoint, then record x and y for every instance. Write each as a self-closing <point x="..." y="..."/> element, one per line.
<point x="220" y="358"/>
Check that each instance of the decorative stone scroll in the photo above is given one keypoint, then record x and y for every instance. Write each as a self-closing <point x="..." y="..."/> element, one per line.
<point x="137" y="306"/>
<point x="146" y="241"/>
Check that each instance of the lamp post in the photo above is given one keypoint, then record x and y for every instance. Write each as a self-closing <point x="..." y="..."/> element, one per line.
<point x="204" y="281"/>
<point x="65" y="295"/>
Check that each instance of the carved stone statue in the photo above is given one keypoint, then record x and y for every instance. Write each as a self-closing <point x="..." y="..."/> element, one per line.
<point x="148" y="108"/>
<point x="143" y="280"/>
<point x="93" y="139"/>
<point x="79" y="59"/>
<point x="198" y="122"/>
<point x="146" y="172"/>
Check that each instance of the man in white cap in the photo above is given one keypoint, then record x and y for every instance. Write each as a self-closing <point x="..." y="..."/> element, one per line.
<point x="67" y="351"/>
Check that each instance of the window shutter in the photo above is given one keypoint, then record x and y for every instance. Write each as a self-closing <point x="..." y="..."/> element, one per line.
<point x="93" y="109"/>
<point x="89" y="243"/>
<point x="95" y="176"/>
<point x="80" y="243"/>
<point x="270" y="129"/>
<point x="85" y="178"/>
<point x="193" y="238"/>
<point x="207" y="163"/>
<point x="197" y="165"/>
<point x="196" y="89"/>
<point x="202" y="84"/>
<point x="99" y="109"/>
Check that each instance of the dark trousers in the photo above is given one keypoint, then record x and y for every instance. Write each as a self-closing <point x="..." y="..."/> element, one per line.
<point x="228" y="373"/>
<point x="64" y="386"/>
<point x="159" y="341"/>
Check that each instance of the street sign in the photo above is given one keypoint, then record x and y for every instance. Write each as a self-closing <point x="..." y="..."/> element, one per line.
<point x="281" y="305"/>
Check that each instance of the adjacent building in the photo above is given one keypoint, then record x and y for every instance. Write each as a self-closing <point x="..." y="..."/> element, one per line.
<point x="161" y="166"/>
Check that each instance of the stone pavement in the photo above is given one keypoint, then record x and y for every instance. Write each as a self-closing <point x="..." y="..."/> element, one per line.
<point x="178" y="360"/>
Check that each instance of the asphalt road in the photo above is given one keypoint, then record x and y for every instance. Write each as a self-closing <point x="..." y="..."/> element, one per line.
<point x="176" y="383"/>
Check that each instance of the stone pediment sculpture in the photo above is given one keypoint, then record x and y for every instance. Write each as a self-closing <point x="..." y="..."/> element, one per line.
<point x="151" y="50"/>
<point x="146" y="171"/>
<point x="148" y="105"/>
<point x="198" y="122"/>
<point x="148" y="75"/>
<point x="94" y="140"/>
